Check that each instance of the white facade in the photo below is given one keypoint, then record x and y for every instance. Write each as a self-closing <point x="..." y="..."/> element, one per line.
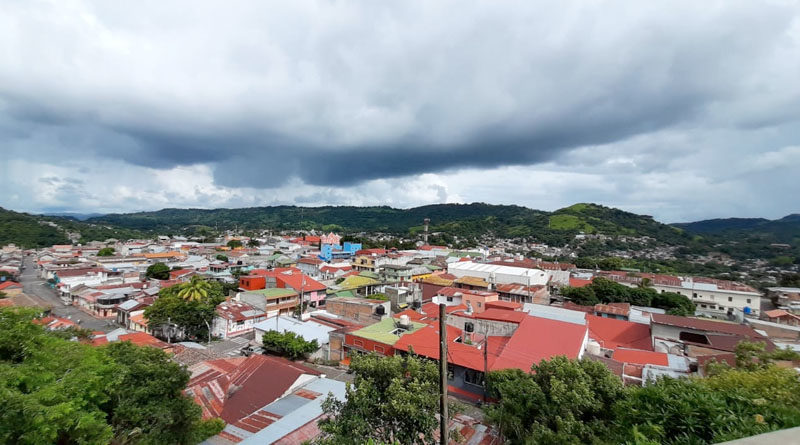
<point x="497" y="274"/>
<point x="712" y="300"/>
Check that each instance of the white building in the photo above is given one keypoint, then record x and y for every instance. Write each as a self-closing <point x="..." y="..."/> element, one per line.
<point x="235" y="318"/>
<point x="497" y="274"/>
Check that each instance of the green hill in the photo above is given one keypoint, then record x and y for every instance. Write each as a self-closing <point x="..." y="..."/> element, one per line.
<point x="28" y="231"/>
<point x="464" y="220"/>
<point x="31" y="231"/>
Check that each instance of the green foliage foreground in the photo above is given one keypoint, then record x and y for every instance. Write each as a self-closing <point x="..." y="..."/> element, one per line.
<point x="391" y="400"/>
<point x="54" y="390"/>
<point x="574" y="402"/>
<point x="288" y="344"/>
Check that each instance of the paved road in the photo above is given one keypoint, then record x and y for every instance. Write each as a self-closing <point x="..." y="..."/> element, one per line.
<point x="33" y="285"/>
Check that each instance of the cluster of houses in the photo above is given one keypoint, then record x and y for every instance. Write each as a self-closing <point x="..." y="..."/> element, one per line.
<point x="502" y="312"/>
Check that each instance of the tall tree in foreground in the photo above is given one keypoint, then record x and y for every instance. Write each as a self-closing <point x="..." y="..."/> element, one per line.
<point x="391" y="400"/>
<point x="197" y="289"/>
<point x="57" y="391"/>
<point x="561" y="402"/>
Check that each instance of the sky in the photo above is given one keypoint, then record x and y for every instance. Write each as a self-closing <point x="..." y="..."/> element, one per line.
<point x="683" y="110"/>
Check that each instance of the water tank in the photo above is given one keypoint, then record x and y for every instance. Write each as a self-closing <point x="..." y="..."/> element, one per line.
<point x="380" y="310"/>
<point x="593" y="348"/>
<point x="747" y="310"/>
<point x="404" y="320"/>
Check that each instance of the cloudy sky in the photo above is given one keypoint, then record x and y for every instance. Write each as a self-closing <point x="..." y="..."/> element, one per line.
<point x="681" y="109"/>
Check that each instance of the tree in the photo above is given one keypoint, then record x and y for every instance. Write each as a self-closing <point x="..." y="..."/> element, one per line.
<point x="57" y="391"/>
<point x="234" y="244"/>
<point x="222" y="257"/>
<point x="253" y="243"/>
<point x="732" y="404"/>
<point x="391" y="400"/>
<point x="196" y="289"/>
<point x="158" y="271"/>
<point x="561" y="402"/>
<point x="106" y="251"/>
<point x="288" y="344"/>
<point x="580" y="295"/>
<point x="193" y="317"/>
<point x="3" y="295"/>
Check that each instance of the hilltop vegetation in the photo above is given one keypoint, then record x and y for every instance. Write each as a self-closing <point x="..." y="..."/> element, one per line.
<point x="30" y="231"/>
<point x="463" y="220"/>
<point x="26" y="231"/>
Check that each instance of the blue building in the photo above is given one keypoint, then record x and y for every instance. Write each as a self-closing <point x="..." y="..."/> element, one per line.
<point x="329" y="252"/>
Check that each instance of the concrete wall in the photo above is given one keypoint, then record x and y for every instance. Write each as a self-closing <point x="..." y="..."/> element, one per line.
<point x="493" y="328"/>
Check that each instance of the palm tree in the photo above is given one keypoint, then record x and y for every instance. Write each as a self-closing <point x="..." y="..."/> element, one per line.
<point x="196" y="289"/>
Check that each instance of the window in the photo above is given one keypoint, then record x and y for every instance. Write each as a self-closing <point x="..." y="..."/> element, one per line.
<point x="692" y="337"/>
<point x="239" y="323"/>
<point x="379" y="349"/>
<point x="473" y="377"/>
<point x="694" y="295"/>
<point x="451" y="373"/>
<point x="479" y="304"/>
<point x="703" y="306"/>
<point x="730" y="298"/>
<point x="469" y="326"/>
<point x="748" y="300"/>
<point x="449" y="299"/>
<point x="722" y="308"/>
<point x="358" y="343"/>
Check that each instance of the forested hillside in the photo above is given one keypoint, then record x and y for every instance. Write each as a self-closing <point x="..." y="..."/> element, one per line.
<point x="465" y="220"/>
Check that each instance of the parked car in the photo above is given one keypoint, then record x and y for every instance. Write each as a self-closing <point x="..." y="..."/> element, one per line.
<point x="249" y="350"/>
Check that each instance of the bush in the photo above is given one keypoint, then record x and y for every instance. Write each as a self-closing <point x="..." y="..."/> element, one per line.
<point x="288" y="344"/>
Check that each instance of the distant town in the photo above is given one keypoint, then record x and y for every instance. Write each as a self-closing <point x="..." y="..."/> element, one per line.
<point x="268" y="324"/>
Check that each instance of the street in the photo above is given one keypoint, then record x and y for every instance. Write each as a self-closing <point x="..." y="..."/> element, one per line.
<point x="33" y="285"/>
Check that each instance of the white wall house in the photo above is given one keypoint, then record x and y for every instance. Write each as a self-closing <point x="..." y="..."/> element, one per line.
<point x="235" y="318"/>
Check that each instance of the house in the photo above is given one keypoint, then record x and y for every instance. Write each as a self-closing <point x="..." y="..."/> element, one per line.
<point x="310" y="266"/>
<point x="262" y="399"/>
<point x="330" y="252"/>
<point x="471" y="354"/>
<point x="694" y="337"/>
<point x="10" y="288"/>
<point x="235" y="318"/>
<point x="380" y="337"/>
<point x="396" y="272"/>
<point x="610" y="334"/>
<point x="715" y="298"/>
<point x="362" y="310"/>
<point x="474" y="300"/>
<point x="311" y="291"/>
<point x="311" y="329"/>
<point x="273" y="301"/>
<point x="779" y="316"/>
<point x="521" y="293"/>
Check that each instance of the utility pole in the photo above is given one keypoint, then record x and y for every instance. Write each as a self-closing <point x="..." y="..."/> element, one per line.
<point x="443" y="431"/>
<point x="485" y="363"/>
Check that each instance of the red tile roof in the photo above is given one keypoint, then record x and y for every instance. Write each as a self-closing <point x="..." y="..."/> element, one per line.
<point x="508" y="305"/>
<point x="705" y="325"/>
<point x="577" y="282"/>
<point x="299" y="282"/>
<point x="537" y="339"/>
<point x="613" y="308"/>
<point x="236" y="389"/>
<point x="10" y="285"/>
<point x="501" y="315"/>
<point x="143" y="339"/>
<point x="612" y="334"/>
<point x="640" y="357"/>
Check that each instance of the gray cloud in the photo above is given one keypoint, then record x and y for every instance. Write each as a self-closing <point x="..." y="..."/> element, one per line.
<point x="332" y="95"/>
